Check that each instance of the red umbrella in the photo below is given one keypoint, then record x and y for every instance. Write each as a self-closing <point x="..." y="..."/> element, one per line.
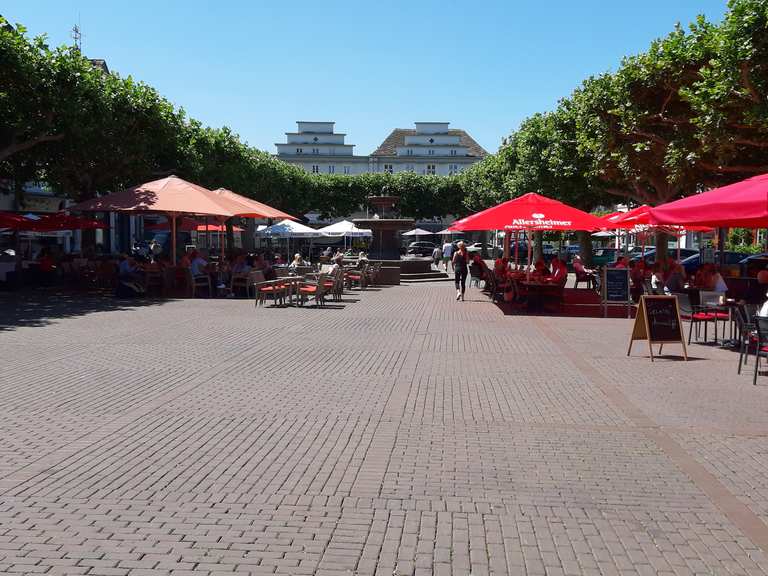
<point x="14" y="221"/>
<point x="740" y="205"/>
<point x="529" y="212"/>
<point x="48" y="222"/>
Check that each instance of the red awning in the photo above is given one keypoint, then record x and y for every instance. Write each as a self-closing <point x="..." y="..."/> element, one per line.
<point x="740" y="205"/>
<point x="530" y="212"/>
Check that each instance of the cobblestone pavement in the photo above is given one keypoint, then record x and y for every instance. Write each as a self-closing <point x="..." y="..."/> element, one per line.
<point x="403" y="433"/>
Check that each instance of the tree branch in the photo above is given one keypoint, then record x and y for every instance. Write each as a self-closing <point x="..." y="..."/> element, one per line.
<point x="734" y="169"/>
<point x="8" y="151"/>
<point x="754" y="95"/>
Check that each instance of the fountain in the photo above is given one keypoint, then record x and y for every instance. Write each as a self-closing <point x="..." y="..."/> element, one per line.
<point x="385" y="243"/>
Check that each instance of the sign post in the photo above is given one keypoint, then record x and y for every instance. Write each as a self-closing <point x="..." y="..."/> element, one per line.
<point x="658" y="321"/>
<point x="614" y="289"/>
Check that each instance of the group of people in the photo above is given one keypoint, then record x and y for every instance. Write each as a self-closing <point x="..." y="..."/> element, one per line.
<point x="669" y="277"/>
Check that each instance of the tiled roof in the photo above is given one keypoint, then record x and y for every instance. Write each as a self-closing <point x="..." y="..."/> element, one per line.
<point x="397" y="138"/>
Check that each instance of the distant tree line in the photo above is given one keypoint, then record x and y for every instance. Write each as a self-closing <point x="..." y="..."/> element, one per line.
<point x="689" y="113"/>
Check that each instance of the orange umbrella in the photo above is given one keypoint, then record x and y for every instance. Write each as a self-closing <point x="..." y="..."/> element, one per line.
<point x="252" y="208"/>
<point x="171" y="195"/>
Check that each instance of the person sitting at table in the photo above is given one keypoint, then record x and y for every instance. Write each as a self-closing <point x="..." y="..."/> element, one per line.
<point x="636" y="280"/>
<point x="186" y="259"/>
<point x="559" y="271"/>
<point x="261" y="263"/>
<point x="46" y="267"/>
<point x="277" y="260"/>
<point x="297" y="261"/>
<point x="657" y="279"/>
<point x="476" y="268"/>
<point x="540" y="271"/>
<point x="705" y="277"/>
<point x="718" y="282"/>
<point x="197" y="264"/>
<point x="675" y="281"/>
<point x="621" y="262"/>
<point x="130" y="277"/>
<point x="240" y="265"/>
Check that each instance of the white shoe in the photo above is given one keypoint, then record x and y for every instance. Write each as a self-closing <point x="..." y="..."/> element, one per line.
<point x="458" y="296"/>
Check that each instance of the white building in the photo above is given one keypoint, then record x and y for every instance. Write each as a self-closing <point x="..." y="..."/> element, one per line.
<point x="430" y="148"/>
<point x="320" y="150"/>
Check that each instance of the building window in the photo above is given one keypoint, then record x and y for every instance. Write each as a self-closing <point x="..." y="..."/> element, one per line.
<point x="299" y="151"/>
<point x="453" y="169"/>
<point x="331" y="169"/>
<point x="346" y="169"/>
<point x="315" y="169"/>
<point x="409" y="152"/>
<point x="431" y="169"/>
<point x="388" y="169"/>
<point x="453" y="152"/>
<point x="315" y="150"/>
<point x="431" y="152"/>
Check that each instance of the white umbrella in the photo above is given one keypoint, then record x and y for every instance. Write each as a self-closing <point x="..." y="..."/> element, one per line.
<point x="418" y="232"/>
<point x="289" y="229"/>
<point x="604" y="234"/>
<point x="447" y="232"/>
<point x="346" y="229"/>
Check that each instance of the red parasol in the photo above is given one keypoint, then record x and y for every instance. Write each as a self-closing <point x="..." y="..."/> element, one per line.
<point x="740" y="205"/>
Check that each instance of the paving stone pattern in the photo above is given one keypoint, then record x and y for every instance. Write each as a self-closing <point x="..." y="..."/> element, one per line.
<point x="403" y="433"/>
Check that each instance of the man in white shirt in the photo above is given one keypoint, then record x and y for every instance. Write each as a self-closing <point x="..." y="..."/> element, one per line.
<point x="447" y="254"/>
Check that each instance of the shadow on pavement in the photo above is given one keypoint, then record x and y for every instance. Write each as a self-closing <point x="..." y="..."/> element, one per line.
<point x="44" y="307"/>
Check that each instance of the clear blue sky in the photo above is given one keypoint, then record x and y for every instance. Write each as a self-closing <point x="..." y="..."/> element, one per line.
<point x="259" y="66"/>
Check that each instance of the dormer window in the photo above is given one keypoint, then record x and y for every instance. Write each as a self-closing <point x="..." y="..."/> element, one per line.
<point x="299" y="151"/>
<point x="453" y="152"/>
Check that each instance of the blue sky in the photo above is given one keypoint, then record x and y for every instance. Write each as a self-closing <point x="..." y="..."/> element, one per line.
<point x="369" y="66"/>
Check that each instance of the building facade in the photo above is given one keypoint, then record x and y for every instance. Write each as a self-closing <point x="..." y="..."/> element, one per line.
<point x="431" y="148"/>
<point x="319" y="150"/>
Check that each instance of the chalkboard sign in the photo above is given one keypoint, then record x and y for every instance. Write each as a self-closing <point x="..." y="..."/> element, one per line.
<point x="658" y="321"/>
<point x="615" y="285"/>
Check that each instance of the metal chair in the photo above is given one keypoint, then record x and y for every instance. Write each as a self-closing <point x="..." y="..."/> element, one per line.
<point x="761" y="346"/>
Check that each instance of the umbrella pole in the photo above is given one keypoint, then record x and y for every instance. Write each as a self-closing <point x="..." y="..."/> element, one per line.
<point x="173" y="238"/>
<point x="517" y="249"/>
<point x="530" y="254"/>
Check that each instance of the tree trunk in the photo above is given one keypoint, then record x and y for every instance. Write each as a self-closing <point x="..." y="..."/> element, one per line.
<point x="538" y="245"/>
<point x="662" y="243"/>
<point x="585" y="247"/>
<point x="249" y="244"/>
<point x="230" y="236"/>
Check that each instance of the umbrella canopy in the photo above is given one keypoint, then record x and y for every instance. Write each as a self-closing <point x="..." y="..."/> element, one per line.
<point x="742" y="205"/>
<point x="418" y="232"/>
<point x="171" y="195"/>
<point x="530" y="212"/>
<point x="290" y="229"/>
<point x="47" y="222"/>
<point x="182" y="224"/>
<point x="640" y="220"/>
<point x="447" y="232"/>
<point x="252" y="208"/>
<point x="347" y="229"/>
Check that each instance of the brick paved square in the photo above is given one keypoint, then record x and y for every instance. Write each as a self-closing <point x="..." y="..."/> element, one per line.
<point x="404" y="433"/>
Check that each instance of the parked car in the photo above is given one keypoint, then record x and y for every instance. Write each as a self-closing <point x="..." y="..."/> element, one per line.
<point x="692" y="263"/>
<point x="650" y="254"/>
<point x="751" y="265"/>
<point x="420" y="248"/>
<point x="604" y="256"/>
<point x="492" y="251"/>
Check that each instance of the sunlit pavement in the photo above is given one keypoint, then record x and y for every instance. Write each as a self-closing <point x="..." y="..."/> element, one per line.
<point x="399" y="433"/>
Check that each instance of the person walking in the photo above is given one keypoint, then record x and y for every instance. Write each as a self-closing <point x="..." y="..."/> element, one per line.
<point x="460" y="262"/>
<point x="447" y="253"/>
<point x="437" y="255"/>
